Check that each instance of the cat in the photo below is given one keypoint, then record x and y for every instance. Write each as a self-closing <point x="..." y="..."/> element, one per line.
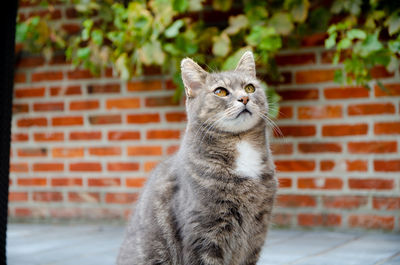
<point x="211" y="202"/>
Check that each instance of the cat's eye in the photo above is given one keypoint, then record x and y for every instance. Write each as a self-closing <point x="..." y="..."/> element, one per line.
<point x="221" y="92"/>
<point x="249" y="88"/>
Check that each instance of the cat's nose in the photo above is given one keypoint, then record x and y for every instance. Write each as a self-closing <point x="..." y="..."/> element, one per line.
<point x="244" y="99"/>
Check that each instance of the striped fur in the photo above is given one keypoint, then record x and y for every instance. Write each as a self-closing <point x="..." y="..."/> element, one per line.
<point x="197" y="208"/>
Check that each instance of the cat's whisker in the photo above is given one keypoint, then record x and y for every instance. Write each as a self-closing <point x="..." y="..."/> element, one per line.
<point x="271" y="123"/>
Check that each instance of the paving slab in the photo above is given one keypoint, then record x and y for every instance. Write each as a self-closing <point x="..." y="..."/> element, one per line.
<point x="35" y="244"/>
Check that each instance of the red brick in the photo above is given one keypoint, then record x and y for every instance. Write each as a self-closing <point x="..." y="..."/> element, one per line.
<point x="58" y="59"/>
<point x="143" y="118"/>
<point x="327" y="165"/>
<point x="48" y="106"/>
<point x="371" y="109"/>
<point x="285" y="182"/>
<point x="294" y="201"/>
<point x="85" y="167"/>
<point x="172" y="149"/>
<point x="101" y="89"/>
<point x="344" y="202"/>
<point x="295" y="59"/>
<point x="311" y="220"/>
<point x="391" y="90"/>
<point x="47" y="196"/>
<point x="104" y="182"/>
<point x="67" y="152"/>
<point x="150" y="165"/>
<point x="357" y="165"/>
<point x="105" y="119"/>
<point x="67" y="121"/>
<point x="371" y="221"/>
<point x="161" y="102"/>
<point x="47" y="76"/>
<point x="85" y="136"/>
<point x="282" y="148"/>
<point x="297" y="94"/>
<point x="123" y="135"/>
<point x="32" y="182"/>
<point x="320" y="183"/>
<point x="30" y="92"/>
<point x="32" y="152"/>
<point x="144" y="151"/>
<point x="65" y="91"/>
<point x="175" y="117"/>
<point x="387" y="165"/>
<point x="284" y="78"/>
<point x="71" y="12"/>
<point x="285" y="112"/>
<point x="123" y="103"/>
<point x="297" y="130"/>
<point x="121" y="198"/>
<point x="162" y="134"/>
<point x="15" y="196"/>
<point x="43" y="167"/>
<point x="135" y="182"/>
<point x="371" y="184"/>
<point x="19" y="108"/>
<point x="79" y="74"/>
<point x="123" y="166"/>
<point x="374" y="147"/>
<point x="387" y="128"/>
<point x="386" y="203"/>
<point x="170" y="85"/>
<point x="32" y="61"/>
<point x="49" y="137"/>
<point x="380" y="72"/>
<point x="23" y="212"/>
<point x="320" y="147"/>
<point x="66" y="182"/>
<point x="19" y="167"/>
<point x="19" y="78"/>
<point x="319" y="112"/>
<point x="346" y="92"/>
<point x="344" y="129"/>
<point x="82" y="197"/>
<point x="19" y="137"/>
<point x="315" y="39"/>
<point x="144" y="86"/>
<point x="71" y="28"/>
<point x="327" y="56"/>
<point x="105" y="151"/>
<point x="30" y="122"/>
<point x="84" y="105"/>
<point x="295" y="165"/>
<point x="314" y="76"/>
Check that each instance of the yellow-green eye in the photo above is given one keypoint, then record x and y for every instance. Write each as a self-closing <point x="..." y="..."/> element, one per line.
<point x="249" y="88"/>
<point x="221" y="92"/>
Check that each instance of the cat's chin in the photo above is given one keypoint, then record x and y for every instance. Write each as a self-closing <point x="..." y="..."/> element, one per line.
<point x="242" y="123"/>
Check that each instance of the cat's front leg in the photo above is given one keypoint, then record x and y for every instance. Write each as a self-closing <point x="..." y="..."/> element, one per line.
<point x="202" y="250"/>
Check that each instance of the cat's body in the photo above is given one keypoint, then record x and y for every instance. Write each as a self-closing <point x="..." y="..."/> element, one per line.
<point x="211" y="202"/>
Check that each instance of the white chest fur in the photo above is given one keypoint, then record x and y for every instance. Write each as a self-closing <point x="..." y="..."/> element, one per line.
<point x="248" y="161"/>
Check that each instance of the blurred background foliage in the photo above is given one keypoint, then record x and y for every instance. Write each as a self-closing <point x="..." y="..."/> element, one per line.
<point x="129" y="35"/>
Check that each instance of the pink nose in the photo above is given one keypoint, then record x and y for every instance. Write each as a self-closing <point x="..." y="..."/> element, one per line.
<point x="244" y="100"/>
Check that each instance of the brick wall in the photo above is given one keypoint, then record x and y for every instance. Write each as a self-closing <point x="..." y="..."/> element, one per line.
<point x="82" y="146"/>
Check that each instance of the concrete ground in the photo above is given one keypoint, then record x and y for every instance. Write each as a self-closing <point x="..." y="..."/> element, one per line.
<point x="33" y="244"/>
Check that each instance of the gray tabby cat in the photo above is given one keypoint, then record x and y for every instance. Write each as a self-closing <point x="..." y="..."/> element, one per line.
<point x="210" y="203"/>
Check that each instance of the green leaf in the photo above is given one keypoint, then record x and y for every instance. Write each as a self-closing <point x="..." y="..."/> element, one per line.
<point x="222" y="5"/>
<point x="152" y="53"/>
<point x="121" y="65"/>
<point x="281" y="23"/>
<point x="331" y="41"/>
<point x="97" y="36"/>
<point x="236" y="23"/>
<point x="393" y="23"/>
<point x="299" y="10"/>
<point x="344" y="44"/>
<point x="180" y="5"/>
<point x="173" y="30"/>
<point x="338" y="77"/>
<point x="394" y="45"/>
<point x="221" y="45"/>
<point x="369" y="45"/>
<point x="231" y="62"/>
<point x="356" y="34"/>
<point x="83" y="53"/>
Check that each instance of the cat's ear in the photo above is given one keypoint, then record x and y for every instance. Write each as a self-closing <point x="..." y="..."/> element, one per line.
<point x="193" y="76"/>
<point x="246" y="64"/>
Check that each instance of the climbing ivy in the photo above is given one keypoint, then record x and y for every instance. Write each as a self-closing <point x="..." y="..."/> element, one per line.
<point x="130" y="35"/>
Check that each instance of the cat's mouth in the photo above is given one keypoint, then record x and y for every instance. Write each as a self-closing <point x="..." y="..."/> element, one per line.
<point x="244" y="112"/>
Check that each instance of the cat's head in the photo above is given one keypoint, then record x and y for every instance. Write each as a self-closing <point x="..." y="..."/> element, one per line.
<point x="232" y="101"/>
